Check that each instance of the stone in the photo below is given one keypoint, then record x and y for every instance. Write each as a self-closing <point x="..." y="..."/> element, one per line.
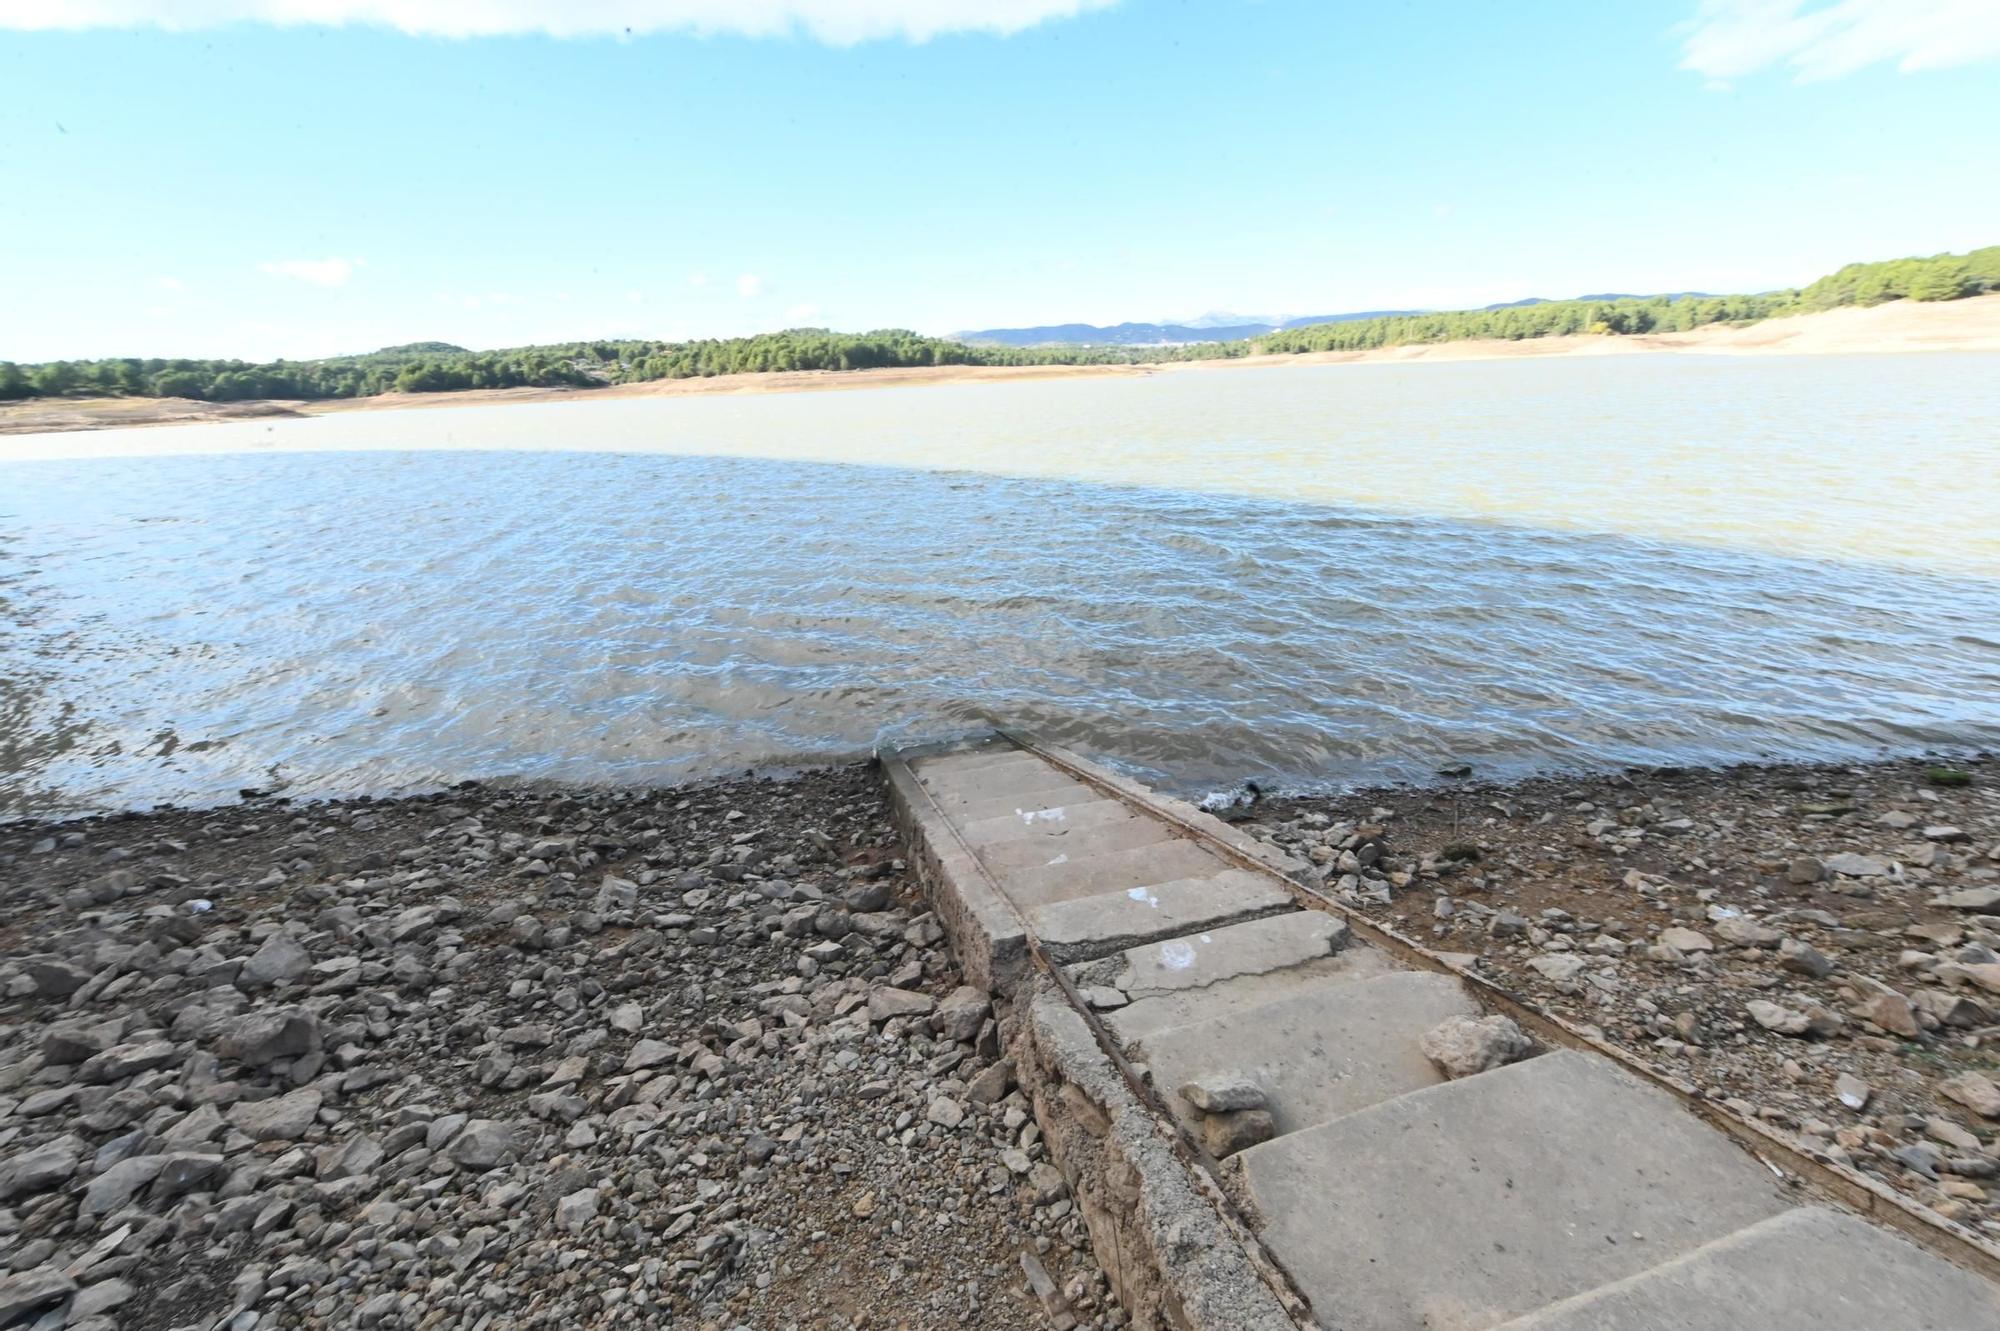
<point x="945" y="1112"/>
<point x="577" y="1209"/>
<point x="1972" y="898"/>
<point x="1849" y="865"/>
<point x="118" y="1185"/>
<point x="1223" y="1092"/>
<point x="279" y="961"/>
<point x="183" y="1172"/>
<point x="127" y="1060"/>
<point x="1892" y="1013"/>
<point x="1686" y="940"/>
<point x="1853" y="1092"/>
<point x="991" y="1084"/>
<point x="961" y="1014"/>
<point x="1464" y="1046"/>
<point x="649" y="1054"/>
<point x="46" y="1166"/>
<point x="281" y="1118"/>
<point x="1773" y="1017"/>
<point x="1805" y="869"/>
<point x="1559" y="967"/>
<point x="74" y="1042"/>
<point x="27" y="1292"/>
<point x="1237" y="1130"/>
<point x="99" y="1298"/>
<point x="262" y="1038"/>
<point x="481" y="1145"/>
<point x="885" y="1004"/>
<point x="1975" y="1092"/>
<point x="1739" y="931"/>
<point x="1804" y="959"/>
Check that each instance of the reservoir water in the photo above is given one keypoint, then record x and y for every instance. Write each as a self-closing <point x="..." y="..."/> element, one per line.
<point x="1312" y="576"/>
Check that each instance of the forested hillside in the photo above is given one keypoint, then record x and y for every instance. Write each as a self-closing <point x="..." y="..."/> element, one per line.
<point x="431" y="367"/>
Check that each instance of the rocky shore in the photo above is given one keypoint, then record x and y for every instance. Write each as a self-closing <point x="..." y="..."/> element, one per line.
<point x="495" y="1059"/>
<point x="1817" y="946"/>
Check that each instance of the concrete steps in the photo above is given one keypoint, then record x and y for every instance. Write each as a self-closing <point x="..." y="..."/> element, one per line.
<point x="1805" y="1270"/>
<point x="1555" y="1194"/>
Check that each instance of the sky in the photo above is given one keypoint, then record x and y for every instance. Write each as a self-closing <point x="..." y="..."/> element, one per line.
<point x="297" y="178"/>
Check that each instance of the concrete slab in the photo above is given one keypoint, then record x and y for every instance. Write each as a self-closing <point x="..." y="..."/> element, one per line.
<point x="1096" y="926"/>
<point x="1323" y="1051"/>
<point x="1067" y="795"/>
<point x="1148" y="1016"/>
<point x="952" y="766"/>
<point x="1088" y="874"/>
<point x="1010" y="782"/>
<point x="1212" y="956"/>
<point x="1479" y="1200"/>
<point x="1805" y="1270"/>
<point x="1058" y="851"/>
<point x="1062" y="821"/>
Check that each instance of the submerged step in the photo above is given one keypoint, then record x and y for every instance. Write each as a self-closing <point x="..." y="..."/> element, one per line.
<point x="1806" y="1270"/>
<point x="1100" y="924"/>
<point x="1480" y="1200"/>
<point x="1328" y="1049"/>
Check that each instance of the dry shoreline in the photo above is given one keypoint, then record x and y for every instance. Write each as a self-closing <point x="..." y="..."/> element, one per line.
<point x="1896" y="328"/>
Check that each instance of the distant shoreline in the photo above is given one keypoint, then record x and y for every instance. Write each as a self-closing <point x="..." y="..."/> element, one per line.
<point x="1972" y="324"/>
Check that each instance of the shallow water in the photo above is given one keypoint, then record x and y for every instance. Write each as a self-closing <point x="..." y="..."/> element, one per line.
<point x="1318" y="576"/>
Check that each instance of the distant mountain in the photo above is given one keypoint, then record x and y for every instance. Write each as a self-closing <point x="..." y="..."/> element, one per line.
<point x="1602" y="295"/>
<point x="1205" y="329"/>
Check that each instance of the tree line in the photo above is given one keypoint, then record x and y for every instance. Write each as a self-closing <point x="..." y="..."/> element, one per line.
<point x="434" y="367"/>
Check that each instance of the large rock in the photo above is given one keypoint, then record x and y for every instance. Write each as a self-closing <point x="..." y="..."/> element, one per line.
<point x="127" y="1060"/>
<point x="29" y="1291"/>
<point x="961" y="1014"/>
<point x="262" y="1038"/>
<point x="118" y="1185"/>
<point x="282" y="1118"/>
<point x="482" y="1145"/>
<point x="1975" y="1092"/>
<point x="885" y="1003"/>
<point x="279" y="961"/>
<point x="1462" y="1046"/>
<point x="47" y="1166"/>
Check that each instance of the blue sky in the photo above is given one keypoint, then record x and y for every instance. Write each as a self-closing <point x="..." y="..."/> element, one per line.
<point x="237" y="187"/>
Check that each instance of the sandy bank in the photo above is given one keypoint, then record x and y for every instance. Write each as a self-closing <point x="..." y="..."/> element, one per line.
<point x="1900" y="327"/>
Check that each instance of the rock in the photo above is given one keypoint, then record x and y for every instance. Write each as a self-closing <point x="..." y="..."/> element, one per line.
<point x="282" y="1118"/>
<point x="186" y="1171"/>
<point x="1046" y="1185"/>
<point x="280" y="961"/>
<point x="74" y="1042"/>
<point x="961" y="1014"/>
<point x="1892" y="1013"/>
<point x="1772" y="1017"/>
<point x="577" y="1209"/>
<point x="1977" y="1093"/>
<point x="262" y="1038"/>
<point x="992" y="1083"/>
<point x="649" y="1054"/>
<point x="1946" y="834"/>
<point x="481" y="1145"/>
<point x="626" y="1018"/>
<point x="127" y="1060"/>
<point x="1740" y="931"/>
<point x="885" y="1003"/>
<point x="1463" y="1046"/>
<point x="1559" y="967"/>
<point x="1804" y="959"/>
<point x="56" y="979"/>
<point x="1223" y="1092"/>
<point x="357" y="1156"/>
<point x="1849" y="865"/>
<point x="1226" y="1134"/>
<point x="47" y="1166"/>
<point x="118" y="1185"/>
<point x="1972" y="898"/>
<point x="29" y="1291"/>
<point x="1804" y="869"/>
<point x="1685" y="940"/>
<point x="945" y="1112"/>
<point x="1852" y="1091"/>
<point x="99" y="1298"/>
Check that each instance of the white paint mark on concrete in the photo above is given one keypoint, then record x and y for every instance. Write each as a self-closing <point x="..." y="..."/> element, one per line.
<point x="1176" y="954"/>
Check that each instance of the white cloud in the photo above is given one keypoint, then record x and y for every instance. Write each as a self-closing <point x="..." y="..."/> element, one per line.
<point x="749" y="285"/>
<point x="319" y="272"/>
<point x="801" y="315"/>
<point x="1728" y="39"/>
<point x="169" y="284"/>
<point x="839" y="22"/>
<point x="697" y="279"/>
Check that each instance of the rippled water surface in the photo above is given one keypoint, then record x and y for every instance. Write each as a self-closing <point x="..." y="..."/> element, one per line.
<point x="1313" y="575"/>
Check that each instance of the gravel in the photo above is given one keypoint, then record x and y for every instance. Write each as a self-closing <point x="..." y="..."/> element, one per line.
<point x="1817" y="946"/>
<point x="509" y="1058"/>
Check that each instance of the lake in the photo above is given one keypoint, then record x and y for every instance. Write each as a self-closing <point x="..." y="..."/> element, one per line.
<point x="1312" y="576"/>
